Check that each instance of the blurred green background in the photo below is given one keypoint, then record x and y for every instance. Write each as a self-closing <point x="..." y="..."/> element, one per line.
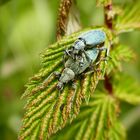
<point x="26" y="28"/>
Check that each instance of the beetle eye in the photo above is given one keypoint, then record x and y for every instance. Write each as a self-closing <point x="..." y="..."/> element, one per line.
<point x="76" y="42"/>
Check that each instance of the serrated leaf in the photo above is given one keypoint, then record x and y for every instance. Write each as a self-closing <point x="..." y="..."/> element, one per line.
<point x="129" y="18"/>
<point x="119" y="53"/>
<point x="97" y="121"/>
<point x="48" y="109"/>
<point x="126" y="89"/>
<point x="117" y="132"/>
<point x="103" y="2"/>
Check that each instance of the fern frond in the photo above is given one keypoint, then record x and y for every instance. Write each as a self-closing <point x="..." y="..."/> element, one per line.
<point x="97" y="121"/>
<point x="129" y="18"/>
<point x="48" y="109"/>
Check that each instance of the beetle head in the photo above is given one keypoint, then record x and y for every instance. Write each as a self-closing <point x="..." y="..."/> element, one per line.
<point x="78" y="45"/>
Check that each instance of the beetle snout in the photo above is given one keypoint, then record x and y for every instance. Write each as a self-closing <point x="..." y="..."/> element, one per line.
<point x="60" y="86"/>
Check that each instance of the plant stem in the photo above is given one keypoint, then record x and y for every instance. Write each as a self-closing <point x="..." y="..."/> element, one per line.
<point x="108" y="84"/>
<point x="62" y="17"/>
<point x="108" y="15"/>
<point x="109" y="23"/>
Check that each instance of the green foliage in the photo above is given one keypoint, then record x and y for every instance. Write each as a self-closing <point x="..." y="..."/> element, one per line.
<point x="97" y="120"/>
<point x="4" y="1"/>
<point x="126" y="89"/>
<point x="103" y="2"/>
<point x="119" y="54"/>
<point x="92" y="116"/>
<point x="47" y="107"/>
<point x="128" y="19"/>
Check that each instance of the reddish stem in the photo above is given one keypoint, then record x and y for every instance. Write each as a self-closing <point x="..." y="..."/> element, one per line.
<point x="109" y="24"/>
<point x="108" y="17"/>
<point x="62" y="17"/>
<point x="108" y="84"/>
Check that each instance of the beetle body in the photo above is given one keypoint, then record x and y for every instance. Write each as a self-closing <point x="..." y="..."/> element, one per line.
<point x="73" y="68"/>
<point x="85" y="41"/>
<point x="91" y="38"/>
<point x="82" y="55"/>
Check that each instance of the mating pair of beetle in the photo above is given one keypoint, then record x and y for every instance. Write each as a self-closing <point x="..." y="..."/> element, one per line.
<point x="82" y="55"/>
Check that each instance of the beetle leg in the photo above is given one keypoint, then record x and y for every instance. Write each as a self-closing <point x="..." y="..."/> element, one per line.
<point x="106" y="54"/>
<point x="93" y="70"/>
<point x="81" y="64"/>
<point x="88" y="59"/>
<point x="86" y="54"/>
<point x="102" y="59"/>
<point x="67" y="53"/>
<point x="74" y="86"/>
<point x="103" y="49"/>
<point x="81" y="61"/>
<point x="106" y="51"/>
<point x="89" y="72"/>
<point x="64" y="57"/>
<point x="57" y="74"/>
<point x="80" y="58"/>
